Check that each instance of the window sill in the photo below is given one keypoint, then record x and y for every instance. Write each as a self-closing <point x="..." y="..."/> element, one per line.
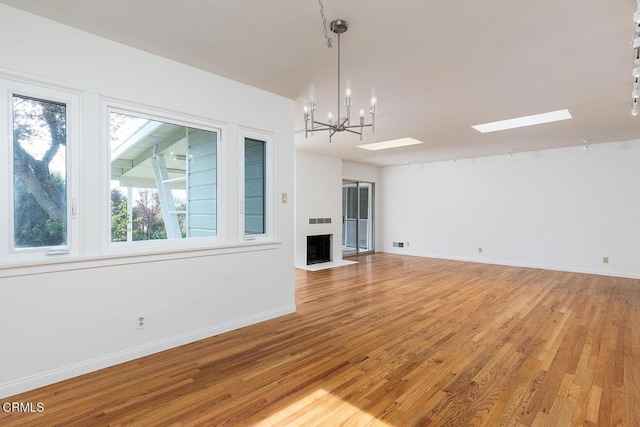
<point x="75" y="262"/>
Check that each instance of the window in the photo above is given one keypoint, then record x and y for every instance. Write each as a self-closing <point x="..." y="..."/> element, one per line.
<point x="164" y="179"/>
<point x="40" y="179"/>
<point x="160" y="173"/>
<point x="254" y="186"/>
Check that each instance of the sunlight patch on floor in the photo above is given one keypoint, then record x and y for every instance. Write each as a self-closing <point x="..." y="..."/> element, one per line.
<point x="321" y="408"/>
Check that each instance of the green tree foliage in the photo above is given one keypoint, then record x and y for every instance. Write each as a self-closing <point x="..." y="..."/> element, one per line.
<point x="147" y="219"/>
<point x="119" y="217"/>
<point x="34" y="227"/>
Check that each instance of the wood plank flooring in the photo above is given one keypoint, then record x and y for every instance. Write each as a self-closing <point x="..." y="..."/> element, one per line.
<point x="390" y="341"/>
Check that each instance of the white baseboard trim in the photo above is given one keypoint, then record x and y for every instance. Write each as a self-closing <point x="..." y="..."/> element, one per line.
<point x="514" y="264"/>
<point x="42" y="379"/>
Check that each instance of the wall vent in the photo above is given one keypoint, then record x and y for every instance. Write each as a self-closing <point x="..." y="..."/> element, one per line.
<point x="319" y="220"/>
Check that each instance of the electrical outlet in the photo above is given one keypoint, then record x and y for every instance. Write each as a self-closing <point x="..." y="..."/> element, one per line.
<point x="401" y="244"/>
<point x="406" y="244"/>
<point x="605" y="259"/>
<point x="480" y="250"/>
<point x="141" y="321"/>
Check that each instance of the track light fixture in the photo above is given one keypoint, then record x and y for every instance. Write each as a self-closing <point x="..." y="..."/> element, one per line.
<point x="635" y="93"/>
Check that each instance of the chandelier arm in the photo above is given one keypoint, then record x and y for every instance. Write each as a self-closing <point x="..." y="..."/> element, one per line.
<point x="358" y="126"/>
<point x="323" y="124"/>
<point x="353" y="131"/>
<point x="323" y="129"/>
<point x="333" y="132"/>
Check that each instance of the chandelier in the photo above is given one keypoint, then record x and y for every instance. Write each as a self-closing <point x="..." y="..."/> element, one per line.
<point x="338" y="123"/>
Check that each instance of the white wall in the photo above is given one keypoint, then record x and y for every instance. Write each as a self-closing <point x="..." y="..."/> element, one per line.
<point x="367" y="173"/>
<point x="66" y="319"/>
<point x="318" y="195"/>
<point x="559" y="209"/>
<point x="359" y="172"/>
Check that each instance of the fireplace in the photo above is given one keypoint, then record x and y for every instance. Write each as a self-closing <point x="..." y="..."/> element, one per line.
<point x="318" y="249"/>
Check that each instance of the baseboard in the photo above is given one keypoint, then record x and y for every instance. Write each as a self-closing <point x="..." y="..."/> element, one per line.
<point x="21" y="385"/>
<point x="513" y="264"/>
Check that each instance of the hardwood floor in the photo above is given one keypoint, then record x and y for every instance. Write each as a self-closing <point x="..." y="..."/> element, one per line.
<point x="395" y="341"/>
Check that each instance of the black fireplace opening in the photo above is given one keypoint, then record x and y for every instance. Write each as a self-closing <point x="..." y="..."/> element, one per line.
<point x="318" y="249"/>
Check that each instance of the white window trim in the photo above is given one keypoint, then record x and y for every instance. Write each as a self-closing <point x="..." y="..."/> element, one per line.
<point x="270" y="193"/>
<point x="9" y="254"/>
<point x="88" y="122"/>
<point x="162" y="245"/>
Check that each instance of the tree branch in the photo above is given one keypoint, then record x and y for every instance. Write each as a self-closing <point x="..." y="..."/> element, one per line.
<point x="35" y="175"/>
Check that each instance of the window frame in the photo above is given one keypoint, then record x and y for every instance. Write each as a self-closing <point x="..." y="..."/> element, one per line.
<point x="160" y="245"/>
<point x="269" y="185"/>
<point x="73" y="124"/>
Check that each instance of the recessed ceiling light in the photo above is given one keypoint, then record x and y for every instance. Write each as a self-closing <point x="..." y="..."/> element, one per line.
<point x="518" y="122"/>
<point x="394" y="143"/>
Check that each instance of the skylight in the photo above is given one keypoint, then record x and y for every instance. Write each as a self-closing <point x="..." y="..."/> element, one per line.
<point x="394" y="143"/>
<point x="518" y="122"/>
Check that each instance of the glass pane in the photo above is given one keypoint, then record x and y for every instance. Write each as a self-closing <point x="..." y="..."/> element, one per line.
<point x="254" y="186"/>
<point x="365" y="220"/>
<point x="349" y="221"/>
<point x="39" y="173"/>
<point x="364" y="201"/>
<point x="163" y="180"/>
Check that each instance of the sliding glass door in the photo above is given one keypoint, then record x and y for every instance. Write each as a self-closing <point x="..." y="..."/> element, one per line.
<point x="357" y="217"/>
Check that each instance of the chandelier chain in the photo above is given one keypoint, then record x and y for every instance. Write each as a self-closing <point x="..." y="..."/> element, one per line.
<point x="324" y="22"/>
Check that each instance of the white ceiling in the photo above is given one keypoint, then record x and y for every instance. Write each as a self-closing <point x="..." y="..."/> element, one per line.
<point x="437" y="66"/>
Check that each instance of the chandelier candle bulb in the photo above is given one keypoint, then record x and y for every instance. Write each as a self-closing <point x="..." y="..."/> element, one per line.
<point x="635" y="93"/>
<point x="372" y="111"/>
<point x="347" y="103"/>
<point x="312" y="92"/>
